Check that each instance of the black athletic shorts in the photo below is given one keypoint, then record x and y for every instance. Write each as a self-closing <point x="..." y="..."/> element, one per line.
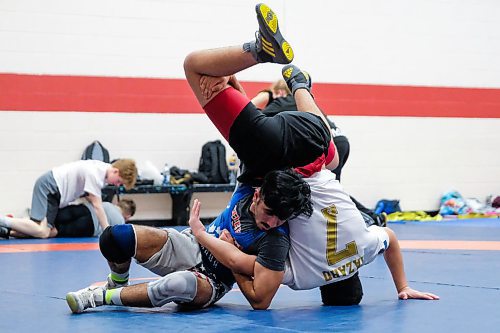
<point x="288" y="139"/>
<point x="74" y="221"/>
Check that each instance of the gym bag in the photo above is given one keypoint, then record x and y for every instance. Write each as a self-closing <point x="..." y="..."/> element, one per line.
<point x="213" y="163"/>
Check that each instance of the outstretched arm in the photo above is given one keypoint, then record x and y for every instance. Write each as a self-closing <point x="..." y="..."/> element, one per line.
<point x="394" y="260"/>
<point x="261" y="99"/>
<point x="99" y="210"/>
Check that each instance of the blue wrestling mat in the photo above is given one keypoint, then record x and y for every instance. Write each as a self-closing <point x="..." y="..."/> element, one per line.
<point x="459" y="261"/>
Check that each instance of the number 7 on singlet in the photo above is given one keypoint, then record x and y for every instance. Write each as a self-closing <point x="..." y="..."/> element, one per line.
<point x="332" y="255"/>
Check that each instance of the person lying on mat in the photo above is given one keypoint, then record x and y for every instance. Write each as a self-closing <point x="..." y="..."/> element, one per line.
<point x="80" y="220"/>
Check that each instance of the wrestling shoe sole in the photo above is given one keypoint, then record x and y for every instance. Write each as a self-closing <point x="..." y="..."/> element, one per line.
<point x="73" y="304"/>
<point x="273" y="42"/>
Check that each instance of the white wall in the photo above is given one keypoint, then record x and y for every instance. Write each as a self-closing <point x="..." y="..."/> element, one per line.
<point x="429" y="43"/>
<point x="417" y="159"/>
<point x="426" y="42"/>
<point x="34" y="142"/>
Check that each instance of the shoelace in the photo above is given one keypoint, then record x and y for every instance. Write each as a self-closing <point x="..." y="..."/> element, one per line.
<point x="89" y="296"/>
<point x="258" y="44"/>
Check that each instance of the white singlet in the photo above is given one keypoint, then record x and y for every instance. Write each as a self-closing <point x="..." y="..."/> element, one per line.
<point x="334" y="242"/>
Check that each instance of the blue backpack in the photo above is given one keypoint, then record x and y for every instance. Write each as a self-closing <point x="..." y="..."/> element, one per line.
<point x="387" y="206"/>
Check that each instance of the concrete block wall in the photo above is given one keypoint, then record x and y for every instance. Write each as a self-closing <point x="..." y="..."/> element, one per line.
<point x="411" y="144"/>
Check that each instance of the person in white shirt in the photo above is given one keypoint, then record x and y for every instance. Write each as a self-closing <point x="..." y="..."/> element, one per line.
<point x="62" y="185"/>
<point x="327" y="248"/>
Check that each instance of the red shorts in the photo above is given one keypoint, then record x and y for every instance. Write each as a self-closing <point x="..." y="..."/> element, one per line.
<point x="224" y="108"/>
<point x="316" y="166"/>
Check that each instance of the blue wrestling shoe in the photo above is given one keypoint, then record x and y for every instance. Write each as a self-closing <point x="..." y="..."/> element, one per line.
<point x="296" y="79"/>
<point x="269" y="46"/>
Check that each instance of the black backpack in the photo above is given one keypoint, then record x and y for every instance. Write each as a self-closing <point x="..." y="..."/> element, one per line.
<point x="96" y="151"/>
<point x="213" y="162"/>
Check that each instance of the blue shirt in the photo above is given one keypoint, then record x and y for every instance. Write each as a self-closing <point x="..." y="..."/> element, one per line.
<point x="271" y="247"/>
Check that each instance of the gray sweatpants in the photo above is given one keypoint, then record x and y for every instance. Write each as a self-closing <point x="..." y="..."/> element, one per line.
<point x="45" y="200"/>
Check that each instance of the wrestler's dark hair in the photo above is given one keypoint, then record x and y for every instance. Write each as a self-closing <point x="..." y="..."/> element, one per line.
<point x="286" y="194"/>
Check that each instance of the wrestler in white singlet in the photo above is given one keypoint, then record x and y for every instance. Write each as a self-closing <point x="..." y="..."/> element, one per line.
<point x="334" y="242"/>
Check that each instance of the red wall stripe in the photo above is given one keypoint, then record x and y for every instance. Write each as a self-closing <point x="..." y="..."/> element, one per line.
<point x="20" y="92"/>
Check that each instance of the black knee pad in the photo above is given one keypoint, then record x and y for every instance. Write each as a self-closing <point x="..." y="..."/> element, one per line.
<point x="345" y="292"/>
<point x="117" y="243"/>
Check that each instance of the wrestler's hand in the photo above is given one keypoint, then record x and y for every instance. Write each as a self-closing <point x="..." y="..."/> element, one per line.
<point x="233" y="82"/>
<point x="226" y="236"/>
<point x="194" y="219"/>
<point x="210" y="85"/>
<point x="409" y="293"/>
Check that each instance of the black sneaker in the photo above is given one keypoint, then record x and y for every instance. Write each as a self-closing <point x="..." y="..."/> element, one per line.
<point x="381" y="219"/>
<point x="296" y="79"/>
<point x="269" y="46"/>
<point x="4" y="232"/>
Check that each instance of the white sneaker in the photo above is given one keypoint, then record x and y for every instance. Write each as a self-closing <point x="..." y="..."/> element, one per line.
<point x="111" y="284"/>
<point x="82" y="299"/>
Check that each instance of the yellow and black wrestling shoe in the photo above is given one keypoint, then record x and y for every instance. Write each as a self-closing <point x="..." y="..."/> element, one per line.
<point x="269" y="46"/>
<point x="296" y="78"/>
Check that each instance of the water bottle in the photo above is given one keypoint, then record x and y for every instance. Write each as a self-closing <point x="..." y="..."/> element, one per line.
<point x="166" y="175"/>
<point x="233" y="169"/>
